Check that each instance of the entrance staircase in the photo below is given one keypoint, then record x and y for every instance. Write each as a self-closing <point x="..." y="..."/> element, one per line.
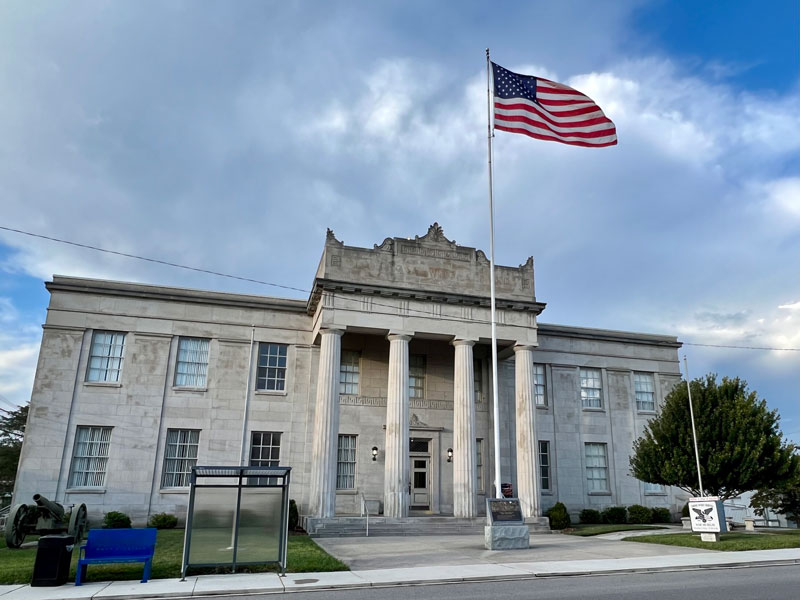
<point x="356" y="526"/>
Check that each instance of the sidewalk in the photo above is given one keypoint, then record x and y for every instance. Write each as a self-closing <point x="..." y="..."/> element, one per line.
<point x="488" y="566"/>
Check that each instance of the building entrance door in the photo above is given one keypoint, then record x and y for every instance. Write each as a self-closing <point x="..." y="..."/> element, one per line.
<point x="420" y="490"/>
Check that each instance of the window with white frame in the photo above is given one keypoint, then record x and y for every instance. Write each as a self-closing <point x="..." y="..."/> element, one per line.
<point x="271" y="373"/>
<point x="544" y="465"/>
<point x="477" y="380"/>
<point x="265" y="451"/>
<point x="192" y="362"/>
<point x="346" y="463"/>
<point x="653" y="488"/>
<point x="645" y="390"/>
<point x="479" y="463"/>
<point x="538" y="385"/>
<point x="349" y="373"/>
<point x="416" y="376"/>
<point x="180" y="455"/>
<point x="105" y="356"/>
<point x="591" y="388"/>
<point x="597" y="467"/>
<point x="89" y="457"/>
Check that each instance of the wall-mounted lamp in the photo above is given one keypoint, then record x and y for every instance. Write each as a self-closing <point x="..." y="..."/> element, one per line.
<point x="449" y="455"/>
<point x="374" y="453"/>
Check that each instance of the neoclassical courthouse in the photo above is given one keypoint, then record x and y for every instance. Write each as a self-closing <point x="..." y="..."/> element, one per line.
<point x="376" y="386"/>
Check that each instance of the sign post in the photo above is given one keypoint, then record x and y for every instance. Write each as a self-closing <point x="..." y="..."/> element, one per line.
<point x="707" y="516"/>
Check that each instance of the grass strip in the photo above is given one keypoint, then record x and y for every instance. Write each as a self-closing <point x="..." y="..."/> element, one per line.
<point x="588" y="530"/>
<point x="729" y="542"/>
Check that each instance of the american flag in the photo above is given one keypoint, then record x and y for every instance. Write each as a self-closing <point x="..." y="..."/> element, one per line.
<point x="547" y="110"/>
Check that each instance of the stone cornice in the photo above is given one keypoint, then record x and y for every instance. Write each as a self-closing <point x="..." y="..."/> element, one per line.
<point x="606" y="335"/>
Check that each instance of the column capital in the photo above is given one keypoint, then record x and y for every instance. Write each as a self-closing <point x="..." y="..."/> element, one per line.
<point x="520" y="347"/>
<point x="331" y="330"/>
<point x="463" y="342"/>
<point x="399" y="335"/>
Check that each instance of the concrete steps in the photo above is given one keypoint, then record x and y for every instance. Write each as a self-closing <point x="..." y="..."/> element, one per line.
<point x="410" y="526"/>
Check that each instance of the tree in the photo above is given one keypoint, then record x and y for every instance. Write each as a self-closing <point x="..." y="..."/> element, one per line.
<point x="739" y="441"/>
<point x="12" y="430"/>
<point x="784" y="500"/>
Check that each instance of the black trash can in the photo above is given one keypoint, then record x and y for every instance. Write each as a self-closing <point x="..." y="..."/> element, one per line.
<point x="53" y="556"/>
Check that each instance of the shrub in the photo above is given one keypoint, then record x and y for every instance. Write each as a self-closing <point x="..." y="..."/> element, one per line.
<point x="294" y="515"/>
<point x="614" y="515"/>
<point x="558" y="515"/>
<point x="163" y="521"/>
<point x="639" y="514"/>
<point x="660" y="515"/>
<point x="590" y="516"/>
<point x="116" y="520"/>
<point x="685" y="510"/>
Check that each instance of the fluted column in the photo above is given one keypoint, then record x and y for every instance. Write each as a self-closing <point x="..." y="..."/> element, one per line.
<point x="326" y="426"/>
<point x="395" y="487"/>
<point x="527" y="451"/>
<point x="464" y="446"/>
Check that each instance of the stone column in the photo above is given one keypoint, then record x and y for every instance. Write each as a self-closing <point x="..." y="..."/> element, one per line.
<point x="326" y="426"/>
<point x="464" y="445"/>
<point x="395" y="487"/>
<point x="527" y="450"/>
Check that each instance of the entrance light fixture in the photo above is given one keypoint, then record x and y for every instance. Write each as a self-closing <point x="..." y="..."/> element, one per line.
<point x="449" y="455"/>
<point x="374" y="453"/>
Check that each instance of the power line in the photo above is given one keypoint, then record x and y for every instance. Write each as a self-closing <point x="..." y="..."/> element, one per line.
<point x="296" y="289"/>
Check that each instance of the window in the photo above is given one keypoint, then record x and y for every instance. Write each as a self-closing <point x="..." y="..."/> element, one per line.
<point x="89" y="457"/>
<point x="591" y="388"/>
<point x="544" y="465"/>
<point x="265" y="451"/>
<point x="348" y="373"/>
<point x="105" y="357"/>
<point x="477" y="380"/>
<point x="653" y="488"/>
<point x="416" y="376"/>
<point x="180" y="455"/>
<point x="644" y="388"/>
<point x="479" y="463"/>
<point x="346" y="463"/>
<point x="190" y="370"/>
<point x="597" y="467"/>
<point x="271" y="373"/>
<point x="538" y="385"/>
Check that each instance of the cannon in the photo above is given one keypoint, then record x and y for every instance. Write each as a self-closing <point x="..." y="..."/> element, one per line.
<point x="43" y="518"/>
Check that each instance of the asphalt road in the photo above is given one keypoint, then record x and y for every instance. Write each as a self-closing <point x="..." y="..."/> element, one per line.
<point x="748" y="583"/>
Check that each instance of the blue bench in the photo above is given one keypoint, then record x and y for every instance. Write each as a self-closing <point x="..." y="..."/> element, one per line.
<point x="117" y="546"/>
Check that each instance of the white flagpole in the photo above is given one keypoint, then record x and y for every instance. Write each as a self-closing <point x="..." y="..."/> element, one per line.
<point x="694" y="433"/>
<point x="497" y="490"/>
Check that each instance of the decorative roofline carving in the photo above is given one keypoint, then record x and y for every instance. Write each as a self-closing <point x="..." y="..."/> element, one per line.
<point x="330" y="239"/>
<point x="386" y="246"/>
<point x="527" y="264"/>
<point x="435" y="234"/>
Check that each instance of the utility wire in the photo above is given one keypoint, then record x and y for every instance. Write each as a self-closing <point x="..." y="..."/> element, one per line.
<point x="296" y="289"/>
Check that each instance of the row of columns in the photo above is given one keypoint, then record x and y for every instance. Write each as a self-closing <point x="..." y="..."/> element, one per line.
<point x="396" y="482"/>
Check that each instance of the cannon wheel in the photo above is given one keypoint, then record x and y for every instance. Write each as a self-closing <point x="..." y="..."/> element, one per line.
<point x="78" y="523"/>
<point x="15" y="530"/>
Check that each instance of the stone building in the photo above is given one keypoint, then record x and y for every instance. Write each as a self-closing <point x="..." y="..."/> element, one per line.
<point x="378" y="386"/>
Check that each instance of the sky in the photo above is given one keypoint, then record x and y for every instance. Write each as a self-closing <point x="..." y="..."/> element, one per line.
<point x="229" y="136"/>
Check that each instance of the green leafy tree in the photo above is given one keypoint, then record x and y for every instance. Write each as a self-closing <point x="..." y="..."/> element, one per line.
<point x="12" y="430"/>
<point x="739" y="441"/>
<point x="784" y="499"/>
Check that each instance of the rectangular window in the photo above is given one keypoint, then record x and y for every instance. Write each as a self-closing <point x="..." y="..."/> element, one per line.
<point x="346" y="463"/>
<point x="597" y="467"/>
<point x="180" y="455"/>
<point x="105" y="357"/>
<point x="591" y="388"/>
<point x="653" y="488"/>
<point x="544" y="465"/>
<point x="265" y="451"/>
<point x="416" y="376"/>
<point x="348" y="373"/>
<point x="645" y="390"/>
<point x="477" y="378"/>
<point x="538" y="385"/>
<point x="192" y="365"/>
<point x="271" y="373"/>
<point x="479" y="463"/>
<point x="89" y="457"/>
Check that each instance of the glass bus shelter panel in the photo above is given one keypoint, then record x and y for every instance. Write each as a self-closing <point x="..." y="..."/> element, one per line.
<point x="213" y="526"/>
<point x="260" y="525"/>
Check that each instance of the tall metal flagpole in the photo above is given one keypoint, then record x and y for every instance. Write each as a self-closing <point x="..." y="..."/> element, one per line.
<point x="694" y="433"/>
<point x="497" y="490"/>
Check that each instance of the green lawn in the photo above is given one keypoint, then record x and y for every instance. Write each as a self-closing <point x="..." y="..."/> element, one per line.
<point x="16" y="566"/>
<point x="735" y="541"/>
<point x="587" y="530"/>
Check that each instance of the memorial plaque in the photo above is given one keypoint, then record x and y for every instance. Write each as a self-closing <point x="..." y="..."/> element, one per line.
<point x="504" y="511"/>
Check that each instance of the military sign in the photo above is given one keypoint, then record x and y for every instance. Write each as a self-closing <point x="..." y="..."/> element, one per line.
<point x="707" y="515"/>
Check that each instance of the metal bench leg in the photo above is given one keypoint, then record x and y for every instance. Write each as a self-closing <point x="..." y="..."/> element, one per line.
<point x="80" y="573"/>
<point x="147" y="564"/>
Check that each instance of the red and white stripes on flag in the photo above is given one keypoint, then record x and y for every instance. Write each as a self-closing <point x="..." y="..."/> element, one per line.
<point x="547" y="110"/>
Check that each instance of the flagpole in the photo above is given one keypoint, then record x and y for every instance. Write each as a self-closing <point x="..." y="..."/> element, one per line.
<point x="694" y="433"/>
<point x="497" y="489"/>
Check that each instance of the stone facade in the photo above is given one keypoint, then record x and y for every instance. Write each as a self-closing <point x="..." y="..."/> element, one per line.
<point x="378" y="386"/>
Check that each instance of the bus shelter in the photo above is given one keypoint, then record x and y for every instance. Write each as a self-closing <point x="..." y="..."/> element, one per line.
<point x="237" y="516"/>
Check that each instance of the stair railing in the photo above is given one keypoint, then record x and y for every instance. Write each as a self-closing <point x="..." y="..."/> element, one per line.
<point x="364" y="511"/>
